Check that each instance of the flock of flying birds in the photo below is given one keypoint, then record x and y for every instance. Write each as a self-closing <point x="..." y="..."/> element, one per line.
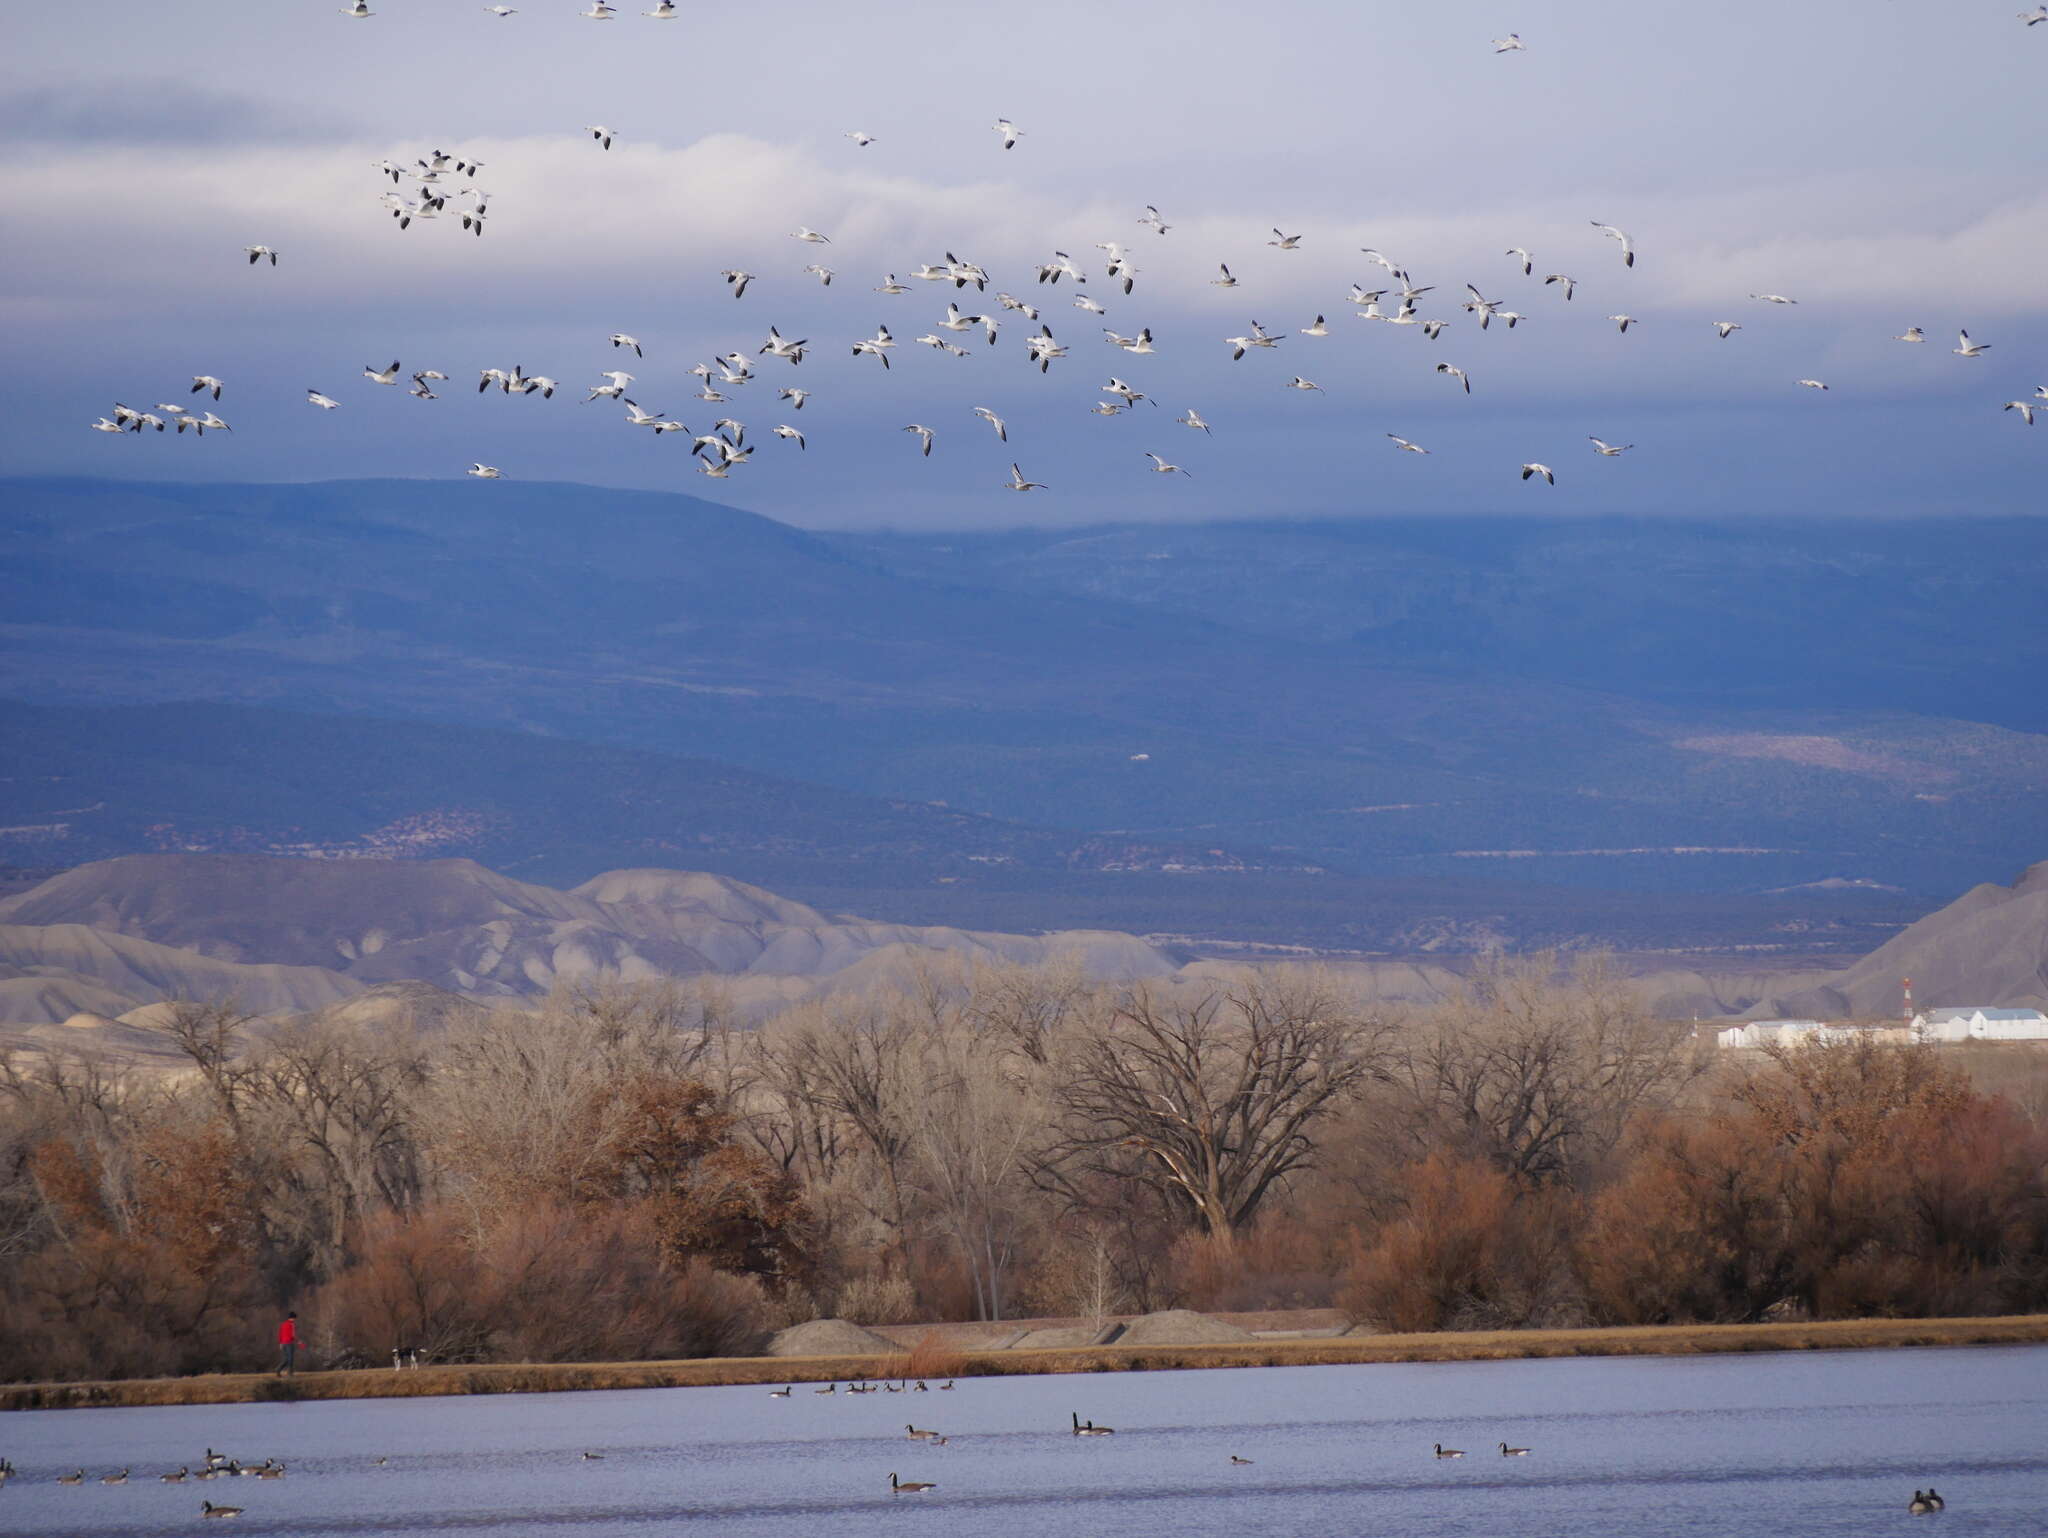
<point x="444" y="186"/>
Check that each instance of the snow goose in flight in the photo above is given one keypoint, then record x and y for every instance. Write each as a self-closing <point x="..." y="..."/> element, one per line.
<point x="1131" y="397"/>
<point x="1409" y="292"/>
<point x="862" y="139"/>
<point x="1965" y="348"/>
<point x="1161" y="467"/>
<point x="635" y="417"/>
<point x="1456" y="373"/>
<point x="257" y="253"/>
<point x="1012" y="302"/>
<point x="620" y="339"/>
<point x="1628" y="249"/>
<point x="485" y="472"/>
<point x="200" y="424"/>
<point x="501" y="11"/>
<point x="1569" y="283"/>
<point x="1911" y="334"/>
<point x="600" y="133"/>
<point x="1226" y="281"/>
<point x="1623" y="322"/>
<point x="988" y="416"/>
<point x="1107" y="409"/>
<point x="1512" y="317"/>
<point x="1773" y="299"/>
<point x="1282" y="242"/>
<point x="206" y="382"/>
<point x="1153" y="221"/>
<point x="795" y="395"/>
<point x="1298" y="383"/>
<point x="1374" y="256"/>
<point x="422" y="389"/>
<point x="1608" y="450"/>
<point x="104" y="425"/>
<point x="924" y="433"/>
<point x="809" y="236"/>
<point x="386" y="376"/>
<point x="600" y="10"/>
<point x="359" y="9"/>
<point x="876" y="345"/>
<point x="1550" y="476"/>
<point x="1010" y="132"/>
<point x="614" y="387"/>
<point x="1194" y="419"/>
<point x="1360" y="294"/>
<point x="1016" y="482"/>
<point x="664" y="10"/>
<point x="780" y="346"/>
<point x="423" y="375"/>
<point x="934" y="340"/>
<point x="955" y="321"/>
<point x="824" y="275"/>
<point x="1042" y="349"/>
<point x="1512" y="43"/>
<point x="313" y="398"/>
<point x="1062" y="266"/>
<point x="1435" y="328"/>
<point x="964" y="273"/>
<point x="1320" y="328"/>
<point x="1528" y="261"/>
<point x="784" y="430"/>
<point x="737" y="279"/>
<point x="1140" y="344"/>
<point x="1813" y="384"/>
<point x="1481" y="306"/>
<point x="2036" y="16"/>
<point x="889" y="285"/>
<point x="1727" y="328"/>
<point x="1405" y="446"/>
<point x="1083" y="302"/>
<point x="2041" y="392"/>
<point x="2026" y="409"/>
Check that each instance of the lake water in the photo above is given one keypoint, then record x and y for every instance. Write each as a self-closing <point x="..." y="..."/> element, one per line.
<point x="1809" y="1444"/>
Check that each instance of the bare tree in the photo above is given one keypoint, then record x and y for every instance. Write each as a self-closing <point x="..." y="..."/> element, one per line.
<point x="1211" y="1102"/>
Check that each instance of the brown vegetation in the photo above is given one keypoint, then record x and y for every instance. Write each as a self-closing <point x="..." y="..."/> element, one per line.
<point x="618" y="1177"/>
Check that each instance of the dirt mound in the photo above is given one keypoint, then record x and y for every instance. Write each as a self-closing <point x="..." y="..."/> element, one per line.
<point x="1180" y="1327"/>
<point x="830" y="1337"/>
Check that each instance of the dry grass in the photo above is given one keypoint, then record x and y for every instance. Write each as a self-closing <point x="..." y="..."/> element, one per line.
<point x="1476" y="1346"/>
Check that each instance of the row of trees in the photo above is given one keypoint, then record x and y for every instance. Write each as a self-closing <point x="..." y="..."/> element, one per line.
<point x="623" y="1174"/>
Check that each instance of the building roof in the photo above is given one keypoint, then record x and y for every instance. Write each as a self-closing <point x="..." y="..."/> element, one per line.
<point x="1966" y="1011"/>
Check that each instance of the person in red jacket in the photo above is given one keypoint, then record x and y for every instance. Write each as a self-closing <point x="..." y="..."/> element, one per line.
<point x="288" y="1345"/>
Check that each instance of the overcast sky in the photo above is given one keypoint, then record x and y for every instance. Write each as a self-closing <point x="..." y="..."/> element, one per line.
<point x="1880" y="162"/>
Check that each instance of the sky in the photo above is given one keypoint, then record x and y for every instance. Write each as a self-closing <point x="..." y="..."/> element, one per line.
<point x="1881" y="163"/>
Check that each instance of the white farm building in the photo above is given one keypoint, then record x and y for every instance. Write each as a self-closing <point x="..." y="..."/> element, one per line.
<point x="1977" y="1023"/>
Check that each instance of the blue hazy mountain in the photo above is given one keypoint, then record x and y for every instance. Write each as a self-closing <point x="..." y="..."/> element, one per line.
<point x="1595" y="704"/>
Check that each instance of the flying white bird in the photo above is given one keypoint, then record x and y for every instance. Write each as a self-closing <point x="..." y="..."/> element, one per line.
<point x="501" y="11"/>
<point x="1727" y="328"/>
<point x="620" y="339"/>
<point x="315" y="398"/>
<point x="1628" y="249"/>
<point x="1569" y="283"/>
<point x="1318" y="329"/>
<point x="796" y="396"/>
<point x="635" y="417"/>
<point x="1608" y="450"/>
<point x="1298" y="383"/>
<point x="1163" y="468"/>
<point x="2026" y="409"/>
<point x="103" y="425"/>
<point x="934" y="340"/>
<point x="1623" y="322"/>
<point x="1774" y="299"/>
<point x="1042" y="349"/>
<point x="1457" y="374"/>
<point x="599" y="11"/>
<point x="1107" y="409"/>
<point x="1966" y="348"/>
<point x="925" y="433"/>
<point x="1911" y="334"/>
<point x="1285" y="242"/>
<point x="1153" y="221"/>
<point x="737" y="279"/>
<point x="1813" y="384"/>
<point x="1012" y="302"/>
<point x="1016" y="482"/>
<point x="1083" y="302"/>
<point x="1130" y="395"/>
<point x="2036" y="16"/>
<point x="1010" y="132"/>
<point x="889" y="285"/>
<point x="200" y="424"/>
<point x="360" y="9"/>
<point x="387" y="376"/>
<point x="1512" y="43"/>
<point x="784" y="430"/>
<point x="485" y="472"/>
<point x="600" y="133"/>
<point x="664" y="10"/>
<point x="876" y="345"/>
<point x="615" y="389"/>
<point x="809" y="236"/>
<point x="1542" y="470"/>
<point x="1528" y="261"/>
<point x="1194" y="419"/>
<point x="1404" y="445"/>
<point x="257" y="253"/>
<point x="862" y="139"/>
<point x="1061" y="266"/>
<point x="824" y="275"/>
<point x="206" y="382"/>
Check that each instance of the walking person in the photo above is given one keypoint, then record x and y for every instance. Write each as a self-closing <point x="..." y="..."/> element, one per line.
<point x="288" y="1345"/>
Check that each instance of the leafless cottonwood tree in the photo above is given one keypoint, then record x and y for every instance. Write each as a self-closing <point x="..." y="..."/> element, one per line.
<point x="1212" y="1101"/>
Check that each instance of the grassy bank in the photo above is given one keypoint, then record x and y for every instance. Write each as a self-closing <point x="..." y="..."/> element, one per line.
<point x="1478" y="1346"/>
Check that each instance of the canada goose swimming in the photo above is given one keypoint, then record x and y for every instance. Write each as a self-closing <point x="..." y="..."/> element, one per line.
<point x="271" y="1471"/>
<point x="1242" y="1462"/>
<point x="943" y="1387"/>
<point x="909" y="1486"/>
<point x="922" y="1387"/>
<point x="208" y="1509"/>
<point x="830" y="1388"/>
<point x="1513" y="1452"/>
<point x="382" y="1461"/>
<point x="593" y="1457"/>
<point x="781" y="1393"/>
<point x="1449" y="1452"/>
<point x="175" y="1479"/>
<point x="1935" y="1500"/>
<point x="76" y="1477"/>
<point x="1090" y="1429"/>
<point x="115" y="1479"/>
<point x="917" y="1435"/>
<point x="1919" y="1505"/>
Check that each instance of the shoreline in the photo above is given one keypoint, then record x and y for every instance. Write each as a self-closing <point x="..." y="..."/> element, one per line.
<point x="711" y="1372"/>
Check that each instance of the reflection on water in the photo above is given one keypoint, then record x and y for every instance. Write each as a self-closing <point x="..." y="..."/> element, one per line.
<point x="1815" y="1443"/>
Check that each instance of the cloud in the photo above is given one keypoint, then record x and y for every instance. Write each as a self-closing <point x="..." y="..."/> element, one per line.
<point x="154" y="115"/>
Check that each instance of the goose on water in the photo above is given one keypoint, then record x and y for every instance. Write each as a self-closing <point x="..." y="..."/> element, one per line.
<point x="910" y="1486"/>
<point x="1089" y="1428"/>
<point x="1441" y="1450"/>
<point x="1513" y="1452"/>
<point x="208" y="1509"/>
